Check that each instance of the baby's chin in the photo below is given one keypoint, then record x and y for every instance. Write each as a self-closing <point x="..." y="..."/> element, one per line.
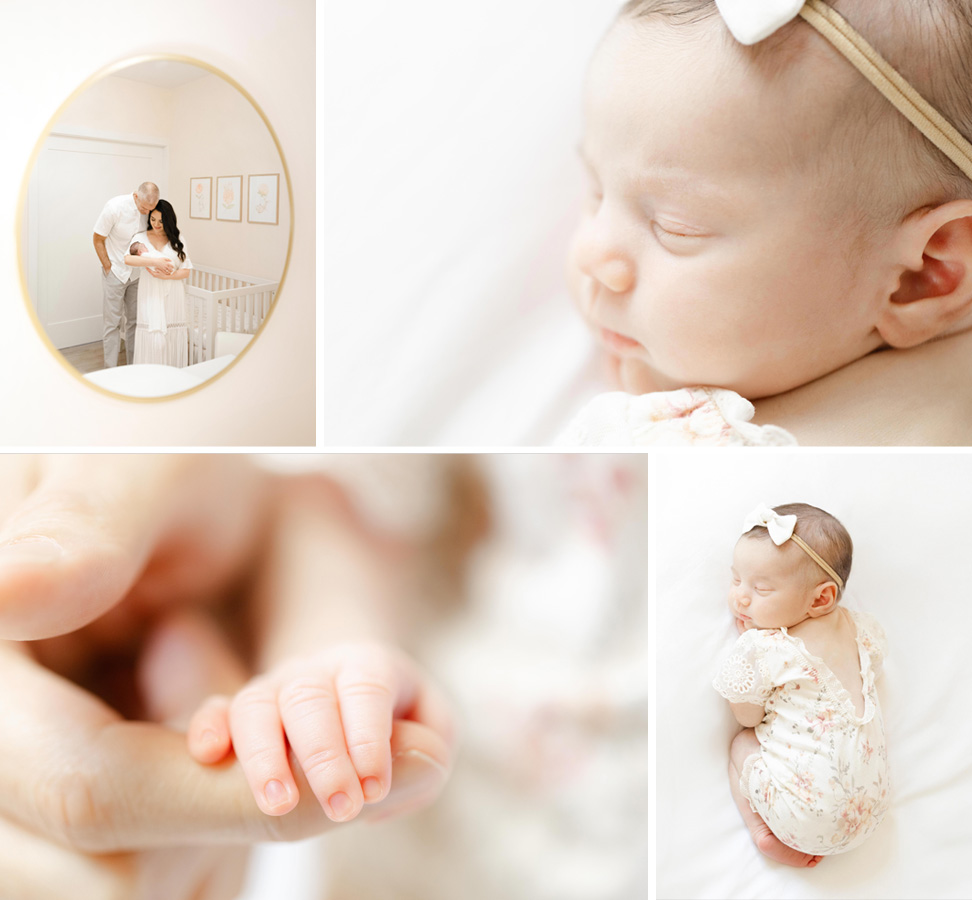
<point x="635" y="376"/>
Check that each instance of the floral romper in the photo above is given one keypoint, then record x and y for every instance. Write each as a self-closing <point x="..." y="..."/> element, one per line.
<point x="820" y="779"/>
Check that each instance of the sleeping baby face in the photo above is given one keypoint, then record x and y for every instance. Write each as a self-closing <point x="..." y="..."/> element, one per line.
<point x="716" y="248"/>
<point x="771" y="587"/>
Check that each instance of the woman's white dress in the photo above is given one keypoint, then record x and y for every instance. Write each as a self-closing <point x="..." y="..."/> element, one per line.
<point x="162" y="329"/>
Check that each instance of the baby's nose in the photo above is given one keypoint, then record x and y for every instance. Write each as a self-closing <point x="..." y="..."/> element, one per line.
<point x="617" y="275"/>
<point x="601" y="256"/>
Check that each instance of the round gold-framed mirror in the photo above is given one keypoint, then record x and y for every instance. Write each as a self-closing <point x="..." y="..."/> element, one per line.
<point x="155" y="227"/>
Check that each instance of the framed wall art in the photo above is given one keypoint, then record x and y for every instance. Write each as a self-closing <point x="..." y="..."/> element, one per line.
<point x="263" y="199"/>
<point x="229" y="196"/>
<point x="200" y="198"/>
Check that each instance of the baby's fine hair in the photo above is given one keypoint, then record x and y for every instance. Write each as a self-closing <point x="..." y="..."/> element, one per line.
<point x="822" y="532"/>
<point x="929" y="42"/>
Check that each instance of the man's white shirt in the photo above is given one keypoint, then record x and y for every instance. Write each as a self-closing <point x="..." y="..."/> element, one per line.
<point x="118" y="223"/>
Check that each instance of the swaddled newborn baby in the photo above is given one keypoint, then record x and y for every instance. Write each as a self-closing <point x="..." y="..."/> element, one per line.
<point x="811" y="777"/>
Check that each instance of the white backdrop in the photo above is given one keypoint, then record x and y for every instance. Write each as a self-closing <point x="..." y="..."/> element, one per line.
<point x="909" y="518"/>
<point x="268" y="398"/>
<point x="450" y="186"/>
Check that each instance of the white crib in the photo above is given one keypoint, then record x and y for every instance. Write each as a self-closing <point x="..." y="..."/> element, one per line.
<point x="217" y="300"/>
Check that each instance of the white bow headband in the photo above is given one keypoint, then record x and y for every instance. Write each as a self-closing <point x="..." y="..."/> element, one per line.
<point x="780" y="530"/>
<point x="750" y="21"/>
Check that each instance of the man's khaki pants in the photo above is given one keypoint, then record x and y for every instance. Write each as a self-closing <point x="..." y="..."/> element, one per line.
<point x="119" y="299"/>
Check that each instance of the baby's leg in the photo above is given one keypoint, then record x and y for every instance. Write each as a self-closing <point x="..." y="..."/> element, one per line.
<point x="744" y="745"/>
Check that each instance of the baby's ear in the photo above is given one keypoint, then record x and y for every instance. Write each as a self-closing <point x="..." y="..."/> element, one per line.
<point x="934" y="293"/>
<point x="825" y="598"/>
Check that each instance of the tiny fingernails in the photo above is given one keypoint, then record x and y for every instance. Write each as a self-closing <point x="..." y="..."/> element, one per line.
<point x="341" y="806"/>
<point x="371" y="788"/>
<point x="210" y="737"/>
<point x="277" y="795"/>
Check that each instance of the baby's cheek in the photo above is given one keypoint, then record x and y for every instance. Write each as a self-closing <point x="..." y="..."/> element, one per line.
<point x="575" y="279"/>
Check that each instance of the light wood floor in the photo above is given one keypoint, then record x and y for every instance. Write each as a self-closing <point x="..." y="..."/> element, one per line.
<point x="90" y="357"/>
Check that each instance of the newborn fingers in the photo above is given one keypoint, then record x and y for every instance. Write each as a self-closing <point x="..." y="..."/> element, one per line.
<point x="309" y="707"/>
<point x="209" y="731"/>
<point x="367" y="702"/>
<point x="258" y="739"/>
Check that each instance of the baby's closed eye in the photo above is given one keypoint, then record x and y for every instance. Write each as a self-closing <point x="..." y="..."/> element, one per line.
<point x="677" y="236"/>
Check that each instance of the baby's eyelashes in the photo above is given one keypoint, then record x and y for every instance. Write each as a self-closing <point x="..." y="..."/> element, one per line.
<point x="678" y="238"/>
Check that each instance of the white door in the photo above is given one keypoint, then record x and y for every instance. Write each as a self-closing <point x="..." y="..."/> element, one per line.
<point x="73" y="178"/>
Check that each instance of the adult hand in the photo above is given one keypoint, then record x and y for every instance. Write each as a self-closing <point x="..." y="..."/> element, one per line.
<point x="75" y="781"/>
<point x="166" y="266"/>
<point x="79" y="535"/>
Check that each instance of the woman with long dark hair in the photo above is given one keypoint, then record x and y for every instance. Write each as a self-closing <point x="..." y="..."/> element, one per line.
<point x="162" y="332"/>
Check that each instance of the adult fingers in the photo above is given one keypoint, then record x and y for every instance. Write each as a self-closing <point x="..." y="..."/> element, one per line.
<point x="79" y="541"/>
<point x="19" y="473"/>
<point x="148" y="792"/>
<point x="33" y="868"/>
<point x="74" y="545"/>
<point x="185" y="657"/>
<point x="70" y="769"/>
<point x="191" y="873"/>
<point x="429" y="705"/>
<point x="185" y="661"/>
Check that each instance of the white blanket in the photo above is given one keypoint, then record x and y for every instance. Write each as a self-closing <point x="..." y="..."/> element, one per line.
<point x="451" y="185"/>
<point x="909" y="518"/>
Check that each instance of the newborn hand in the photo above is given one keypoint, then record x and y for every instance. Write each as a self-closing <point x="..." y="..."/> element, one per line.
<point x="335" y="710"/>
<point x="744" y="625"/>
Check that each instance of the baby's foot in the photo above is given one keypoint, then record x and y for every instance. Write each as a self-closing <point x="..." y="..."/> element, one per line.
<point x="770" y="845"/>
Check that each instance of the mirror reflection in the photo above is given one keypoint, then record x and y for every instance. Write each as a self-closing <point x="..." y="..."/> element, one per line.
<point x="156" y="228"/>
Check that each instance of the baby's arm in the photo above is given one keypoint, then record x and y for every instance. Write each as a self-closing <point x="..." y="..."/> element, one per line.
<point x="748" y="715"/>
<point x="334" y="682"/>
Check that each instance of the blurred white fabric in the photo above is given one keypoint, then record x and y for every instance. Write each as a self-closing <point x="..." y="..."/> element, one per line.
<point x="908" y="516"/>
<point x="449" y="186"/>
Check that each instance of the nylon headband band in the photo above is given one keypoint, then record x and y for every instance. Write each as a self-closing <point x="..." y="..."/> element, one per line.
<point x="928" y="120"/>
<point x="817" y="558"/>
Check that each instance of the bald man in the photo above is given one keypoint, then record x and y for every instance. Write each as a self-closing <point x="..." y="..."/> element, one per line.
<point x="122" y="217"/>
